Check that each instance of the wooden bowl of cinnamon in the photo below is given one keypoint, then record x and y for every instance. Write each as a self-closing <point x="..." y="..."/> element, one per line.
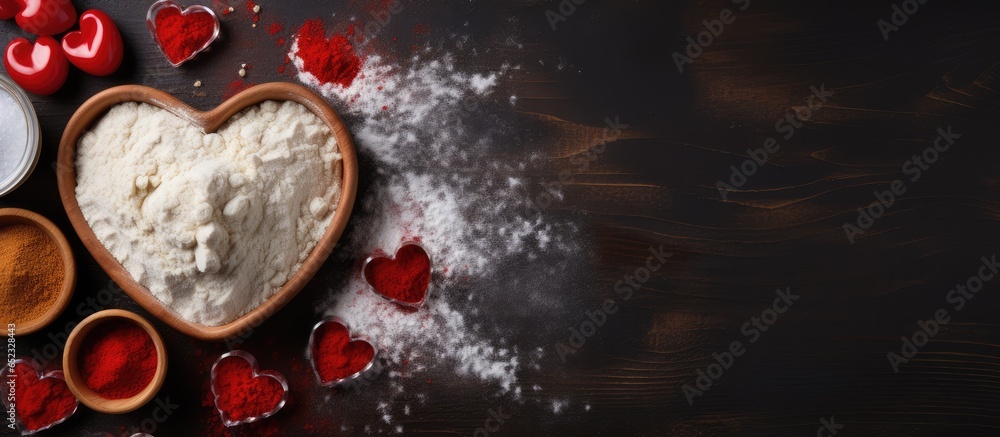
<point x="37" y="271"/>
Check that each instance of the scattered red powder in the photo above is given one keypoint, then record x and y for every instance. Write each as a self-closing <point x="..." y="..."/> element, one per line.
<point x="332" y="61"/>
<point x="404" y="278"/>
<point x="275" y="28"/>
<point x="240" y="394"/>
<point x="281" y="41"/>
<point x="181" y="35"/>
<point x="421" y="29"/>
<point x="250" y="5"/>
<point x="336" y="356"/>
<point x="40" y="402"/>
<point x="385" y="108"/>
<point x="118" y="359"/>
<point x="235" y="87"/>
<point x="281" y="69"/>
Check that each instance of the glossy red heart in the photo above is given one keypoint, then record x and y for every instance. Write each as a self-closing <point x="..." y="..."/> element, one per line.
<point x="46" y="17"/>
<point x="335" y="356"/>
<point x="39" y="68"/>
<point x="9" y="8"/>
<point x="97" y="47"/>
<point x="243" y="393"/>
<point x="403" y="279"/>
<point x="41" y="401"/>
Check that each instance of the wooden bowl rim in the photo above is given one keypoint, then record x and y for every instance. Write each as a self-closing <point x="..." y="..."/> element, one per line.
<point x="18" y="215"/>
<point x="74" y="380"/>
<point x="209" y="121"/>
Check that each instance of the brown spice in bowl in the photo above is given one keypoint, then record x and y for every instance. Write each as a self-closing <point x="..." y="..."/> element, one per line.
<point x="32" y="273"/>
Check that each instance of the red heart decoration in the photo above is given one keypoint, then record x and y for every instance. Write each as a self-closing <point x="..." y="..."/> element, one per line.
<point x="243" y="393"/>
<point x="39" y="68"/>
<point x="403" y="279"/>
<point x="182" y="34"/>
<point x="46" y="17"/>
<point x="335" y="356"/>
<point x="41" y="401"/>
<point x="97" y="47"/>
<point x="9" y="8"/>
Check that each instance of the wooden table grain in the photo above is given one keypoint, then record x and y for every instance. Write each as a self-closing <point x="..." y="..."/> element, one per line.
<point x="649" y="190"/>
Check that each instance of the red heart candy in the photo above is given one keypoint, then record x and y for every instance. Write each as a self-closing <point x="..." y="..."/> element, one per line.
<point x="39" y="68"/>
<point x="182" y="34"/>
<point x="97" y="47"/>
<point x="243" y="393"/>
<point x="335" y="356"/>
<point x="9" y="8"/>
<point x="403" y="279"/>
<point x="46" y="17"/>
<point x="41" y="401"/>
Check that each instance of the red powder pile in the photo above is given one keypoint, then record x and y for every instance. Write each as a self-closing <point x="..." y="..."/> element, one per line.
<point x="182" y="35"/>
<point x="118" y="359"/>
<point x="405" y="278"/>
<point x="336" y="356"/>
<point x="40" y="402"/>
<point x="332" y="61"/>
<point x="240" y="395"/>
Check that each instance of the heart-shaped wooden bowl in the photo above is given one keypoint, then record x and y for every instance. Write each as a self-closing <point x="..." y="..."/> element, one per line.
<point x="209" y="121"/>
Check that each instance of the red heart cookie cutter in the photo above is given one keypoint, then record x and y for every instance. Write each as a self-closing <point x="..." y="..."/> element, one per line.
<point x="355" y="357"/>
<point x="226" y="405"/>
<point x="171" y="7"/>
<point x="404" y="279"/>
<point x="62" y="404"/>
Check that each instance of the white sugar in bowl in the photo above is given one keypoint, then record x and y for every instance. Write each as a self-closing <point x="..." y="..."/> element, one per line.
<point x="20" y="136"/>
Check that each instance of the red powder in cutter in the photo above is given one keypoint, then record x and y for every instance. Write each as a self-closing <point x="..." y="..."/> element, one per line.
<point x="241" y="395"/>
<point x="182" y="35"/>
<point x="40" y="402"/>
<point x="336" y="356"/>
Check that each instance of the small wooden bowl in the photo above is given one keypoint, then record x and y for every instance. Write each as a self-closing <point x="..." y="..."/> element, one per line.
<point x="15" y="216"/>
<point x="209" y="121"/>
<point x="74" y="378"/>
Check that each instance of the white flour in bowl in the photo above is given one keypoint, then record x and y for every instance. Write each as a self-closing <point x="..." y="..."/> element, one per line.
<point x="213" y="225"/>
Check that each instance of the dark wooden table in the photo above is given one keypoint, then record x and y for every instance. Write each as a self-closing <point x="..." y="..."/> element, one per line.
<point x="824" y="358"/>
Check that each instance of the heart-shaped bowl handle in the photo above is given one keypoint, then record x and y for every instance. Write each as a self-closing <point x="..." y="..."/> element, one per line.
<point x="311" y="352"/>
<point x="155" y="9"/>
<point x="37" y="368"/>
<point x="430" y="262"/>
<point x="256" y="373"/>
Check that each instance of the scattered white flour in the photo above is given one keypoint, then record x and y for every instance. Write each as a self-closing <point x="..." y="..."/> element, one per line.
<point x="413" y="114"/>
<point x="559" y="405"/>
<point x="213" y="225"/>
<point x="436" y="143"/>
<point x="424" y="119"/>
